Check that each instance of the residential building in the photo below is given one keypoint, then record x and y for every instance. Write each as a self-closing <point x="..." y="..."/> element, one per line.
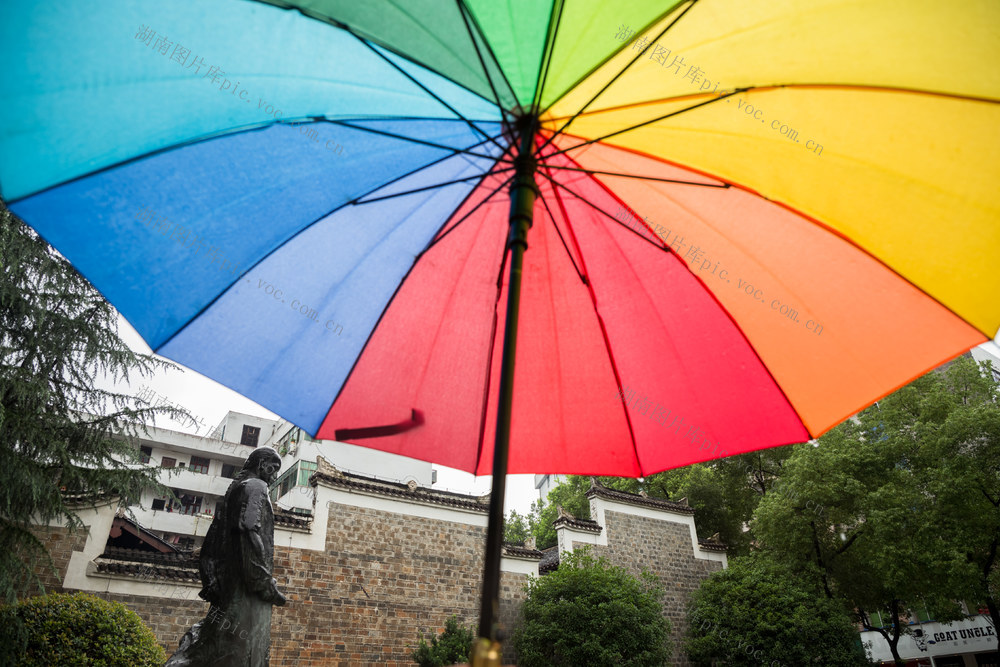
<point x="545" y="483"/>
<point x="989" y="352"/>
<point x="200" y="469"/>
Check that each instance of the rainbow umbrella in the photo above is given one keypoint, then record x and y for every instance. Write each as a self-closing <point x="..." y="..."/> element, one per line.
<point x="747" y="220"/>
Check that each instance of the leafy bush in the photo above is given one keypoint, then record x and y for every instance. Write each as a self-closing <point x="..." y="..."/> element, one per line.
<point x="78" y="630"/>
<point x="589" y="612"/>
<point x="756" y="612"/>
<point x="453" y="646"/>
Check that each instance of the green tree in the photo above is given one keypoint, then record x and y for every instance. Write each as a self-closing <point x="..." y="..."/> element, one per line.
<point x="757" y="613"/>
<point x="964" y="471"/>
<point x="516" y="528"/>
<point x="60" y="432"/>
<point x="909" y="491"/>
<point x="452" y="647"/>
<point x="77" y="629"/>
<point x="588" y="612"/>
<point x="571" y="495"/>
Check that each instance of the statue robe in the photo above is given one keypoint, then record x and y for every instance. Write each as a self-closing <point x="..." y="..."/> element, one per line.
<point x="236" y="563"/>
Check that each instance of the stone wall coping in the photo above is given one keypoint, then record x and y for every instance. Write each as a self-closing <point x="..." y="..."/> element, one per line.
<point x="517" y="551"/>
<point x="134" y="570"/>
<point x="402" y="492"/>
<point x="291" y="521"/>
<point x="588" y="525"/>
<point x="175" y="559"/>
<point x="635" y="499"/>
<point x="712" y="546"/>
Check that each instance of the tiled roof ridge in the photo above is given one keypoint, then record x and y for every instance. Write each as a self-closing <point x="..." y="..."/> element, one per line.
<point x="521" y="551"/>
<point x="399" y="490"/>
<point x="581" y="524"/>
<point x="550" y="560"/>
<point x="596" y="489"/>
<point x="88" y="498"/>
<point x="286" y="518"/>
<point x="140" y="556"/>
<point x="138" y="570"/>
<point x="711" y="544"/>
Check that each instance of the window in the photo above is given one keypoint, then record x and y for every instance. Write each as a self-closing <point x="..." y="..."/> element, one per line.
<point x="158" y="503"/>
<point x="168" y="462"/>
<point x="190" y="504"/>
<point x="199" y="464"/>
<point x="251" y="434"/>
<point x="228" y="470"/>
<point x="144" y="453"/>
<point x="875" y="618"/>
<point x="305" y="470"/>
<point x="284" y="483"/>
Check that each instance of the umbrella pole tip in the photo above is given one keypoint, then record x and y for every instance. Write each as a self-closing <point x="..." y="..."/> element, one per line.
<point x="486" y="653"/>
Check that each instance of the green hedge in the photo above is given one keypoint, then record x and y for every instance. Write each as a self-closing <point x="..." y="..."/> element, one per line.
<point x="79" y="630"/>
<point x="592" y="613"/>
<point x="453" y="646"/>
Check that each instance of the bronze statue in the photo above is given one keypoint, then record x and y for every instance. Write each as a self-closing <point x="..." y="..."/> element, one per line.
<point x="236" y="563"/>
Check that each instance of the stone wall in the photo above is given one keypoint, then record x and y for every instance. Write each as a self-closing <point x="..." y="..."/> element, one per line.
<point x="376" y="572"/>
<point x="61" y="544"/>
<point x="383" y="582"/>
<point x="644" y="534"/>
<point x="637" y="542"/>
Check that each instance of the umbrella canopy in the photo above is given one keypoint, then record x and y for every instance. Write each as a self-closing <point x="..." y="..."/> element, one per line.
<point x="749" y="220"/>
<point x="752" y="221"/>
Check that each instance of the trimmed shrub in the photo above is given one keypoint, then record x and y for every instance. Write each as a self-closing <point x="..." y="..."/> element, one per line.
<point x="79" y="630"/>
<point x="453" y="646"/>
<point x="589" y="612"/>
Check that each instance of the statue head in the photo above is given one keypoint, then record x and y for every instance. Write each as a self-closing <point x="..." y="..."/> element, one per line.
<point x="264" y="463"/>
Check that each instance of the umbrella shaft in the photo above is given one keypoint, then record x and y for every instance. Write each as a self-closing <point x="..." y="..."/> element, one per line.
<point x="522" y="201"/>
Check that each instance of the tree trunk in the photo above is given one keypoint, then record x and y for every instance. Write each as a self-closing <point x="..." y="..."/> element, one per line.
<point x="894" y="640"/>
<point x="991" y="604"/>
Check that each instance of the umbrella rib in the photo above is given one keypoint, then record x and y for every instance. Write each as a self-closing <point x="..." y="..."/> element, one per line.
<point x="661" y="245"/>
<point x="615" y="77"/>
<point x="391" y="299"/>
<point x="776" y="86"/>
<point x="489" y="356"/>
<point x="579" y="270"/>
<point x="550" y="49"/>
<point x="300" y="231"/>
<point x="600" y="322"/>
<point x="368" y="44"/>
<point x="725" y="311"/>
<point x="466" y="17"/>
<point x="466" y="216"/>
<point x="417" y="141"/>
<point x="250" y="127"/>
<point x="593" y="172"/>
<point x="424" y="188"/>
<point x="378" y="187"/>
<point x="647" y="122"/>
<point x="428" y="91"/>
